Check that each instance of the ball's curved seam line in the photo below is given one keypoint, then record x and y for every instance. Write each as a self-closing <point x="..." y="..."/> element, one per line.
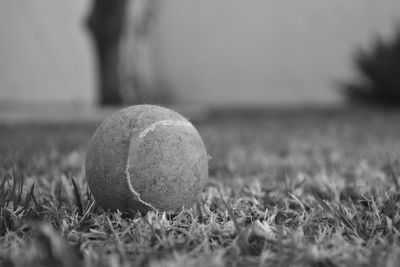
<point x="149" y="129"/>
<point x="155" y="125"/>
<point x="128" y="178"/>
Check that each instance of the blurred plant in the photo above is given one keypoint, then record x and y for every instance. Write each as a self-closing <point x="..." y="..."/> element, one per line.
<point x="120" y="31"/>
<point x="379" y="67"/>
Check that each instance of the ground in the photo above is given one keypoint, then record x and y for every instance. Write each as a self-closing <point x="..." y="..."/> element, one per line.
<point x="296" y="188"/>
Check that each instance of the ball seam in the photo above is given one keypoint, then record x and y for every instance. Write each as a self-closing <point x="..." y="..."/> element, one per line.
<point x="155" y="125"/>
<point x="143" y="134"/>
<point x="133" y="191"/>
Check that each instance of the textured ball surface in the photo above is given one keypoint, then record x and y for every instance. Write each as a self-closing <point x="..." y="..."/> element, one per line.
<point x="146" y="157"/>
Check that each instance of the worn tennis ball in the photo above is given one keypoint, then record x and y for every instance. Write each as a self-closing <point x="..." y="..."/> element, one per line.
<point x="145" y="158"/>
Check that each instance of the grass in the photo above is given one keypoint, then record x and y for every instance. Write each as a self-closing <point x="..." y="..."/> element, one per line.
<point x="286" y="189"/>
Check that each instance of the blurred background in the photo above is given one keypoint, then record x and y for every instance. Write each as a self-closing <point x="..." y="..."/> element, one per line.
<point x="71" y="57"/>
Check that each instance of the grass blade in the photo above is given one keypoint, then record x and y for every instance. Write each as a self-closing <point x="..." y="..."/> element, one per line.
<point x="317" y="198"/>
<point x="86" y="212"/>
<point x="339" y="215"/>
<point x="230" y="212"/>
<point x="14" y="186"/>
<point x="3" y="192"/>
<point x="78" y="201"/>
<point x="29" y="197"/>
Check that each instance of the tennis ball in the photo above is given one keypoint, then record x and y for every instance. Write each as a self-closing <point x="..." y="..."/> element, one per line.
<point x="145" y="158"/>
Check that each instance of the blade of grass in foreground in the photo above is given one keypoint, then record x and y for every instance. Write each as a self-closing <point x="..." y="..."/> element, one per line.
<point x="335" y="213"/>
<point x="78" y="201"/>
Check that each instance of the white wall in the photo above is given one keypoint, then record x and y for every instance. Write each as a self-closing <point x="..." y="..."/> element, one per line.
<point x="265" y="51"/>
<point x="44" y="52"/>
<point x="214" y="52"/>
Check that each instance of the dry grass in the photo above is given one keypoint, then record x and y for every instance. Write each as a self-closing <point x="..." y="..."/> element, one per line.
<point x="296" y="189"/>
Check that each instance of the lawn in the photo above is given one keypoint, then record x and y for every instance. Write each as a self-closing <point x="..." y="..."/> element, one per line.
<point x="295" y="188"/>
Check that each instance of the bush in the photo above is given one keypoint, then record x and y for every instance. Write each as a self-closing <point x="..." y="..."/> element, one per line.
<point x="379" y="67"/>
